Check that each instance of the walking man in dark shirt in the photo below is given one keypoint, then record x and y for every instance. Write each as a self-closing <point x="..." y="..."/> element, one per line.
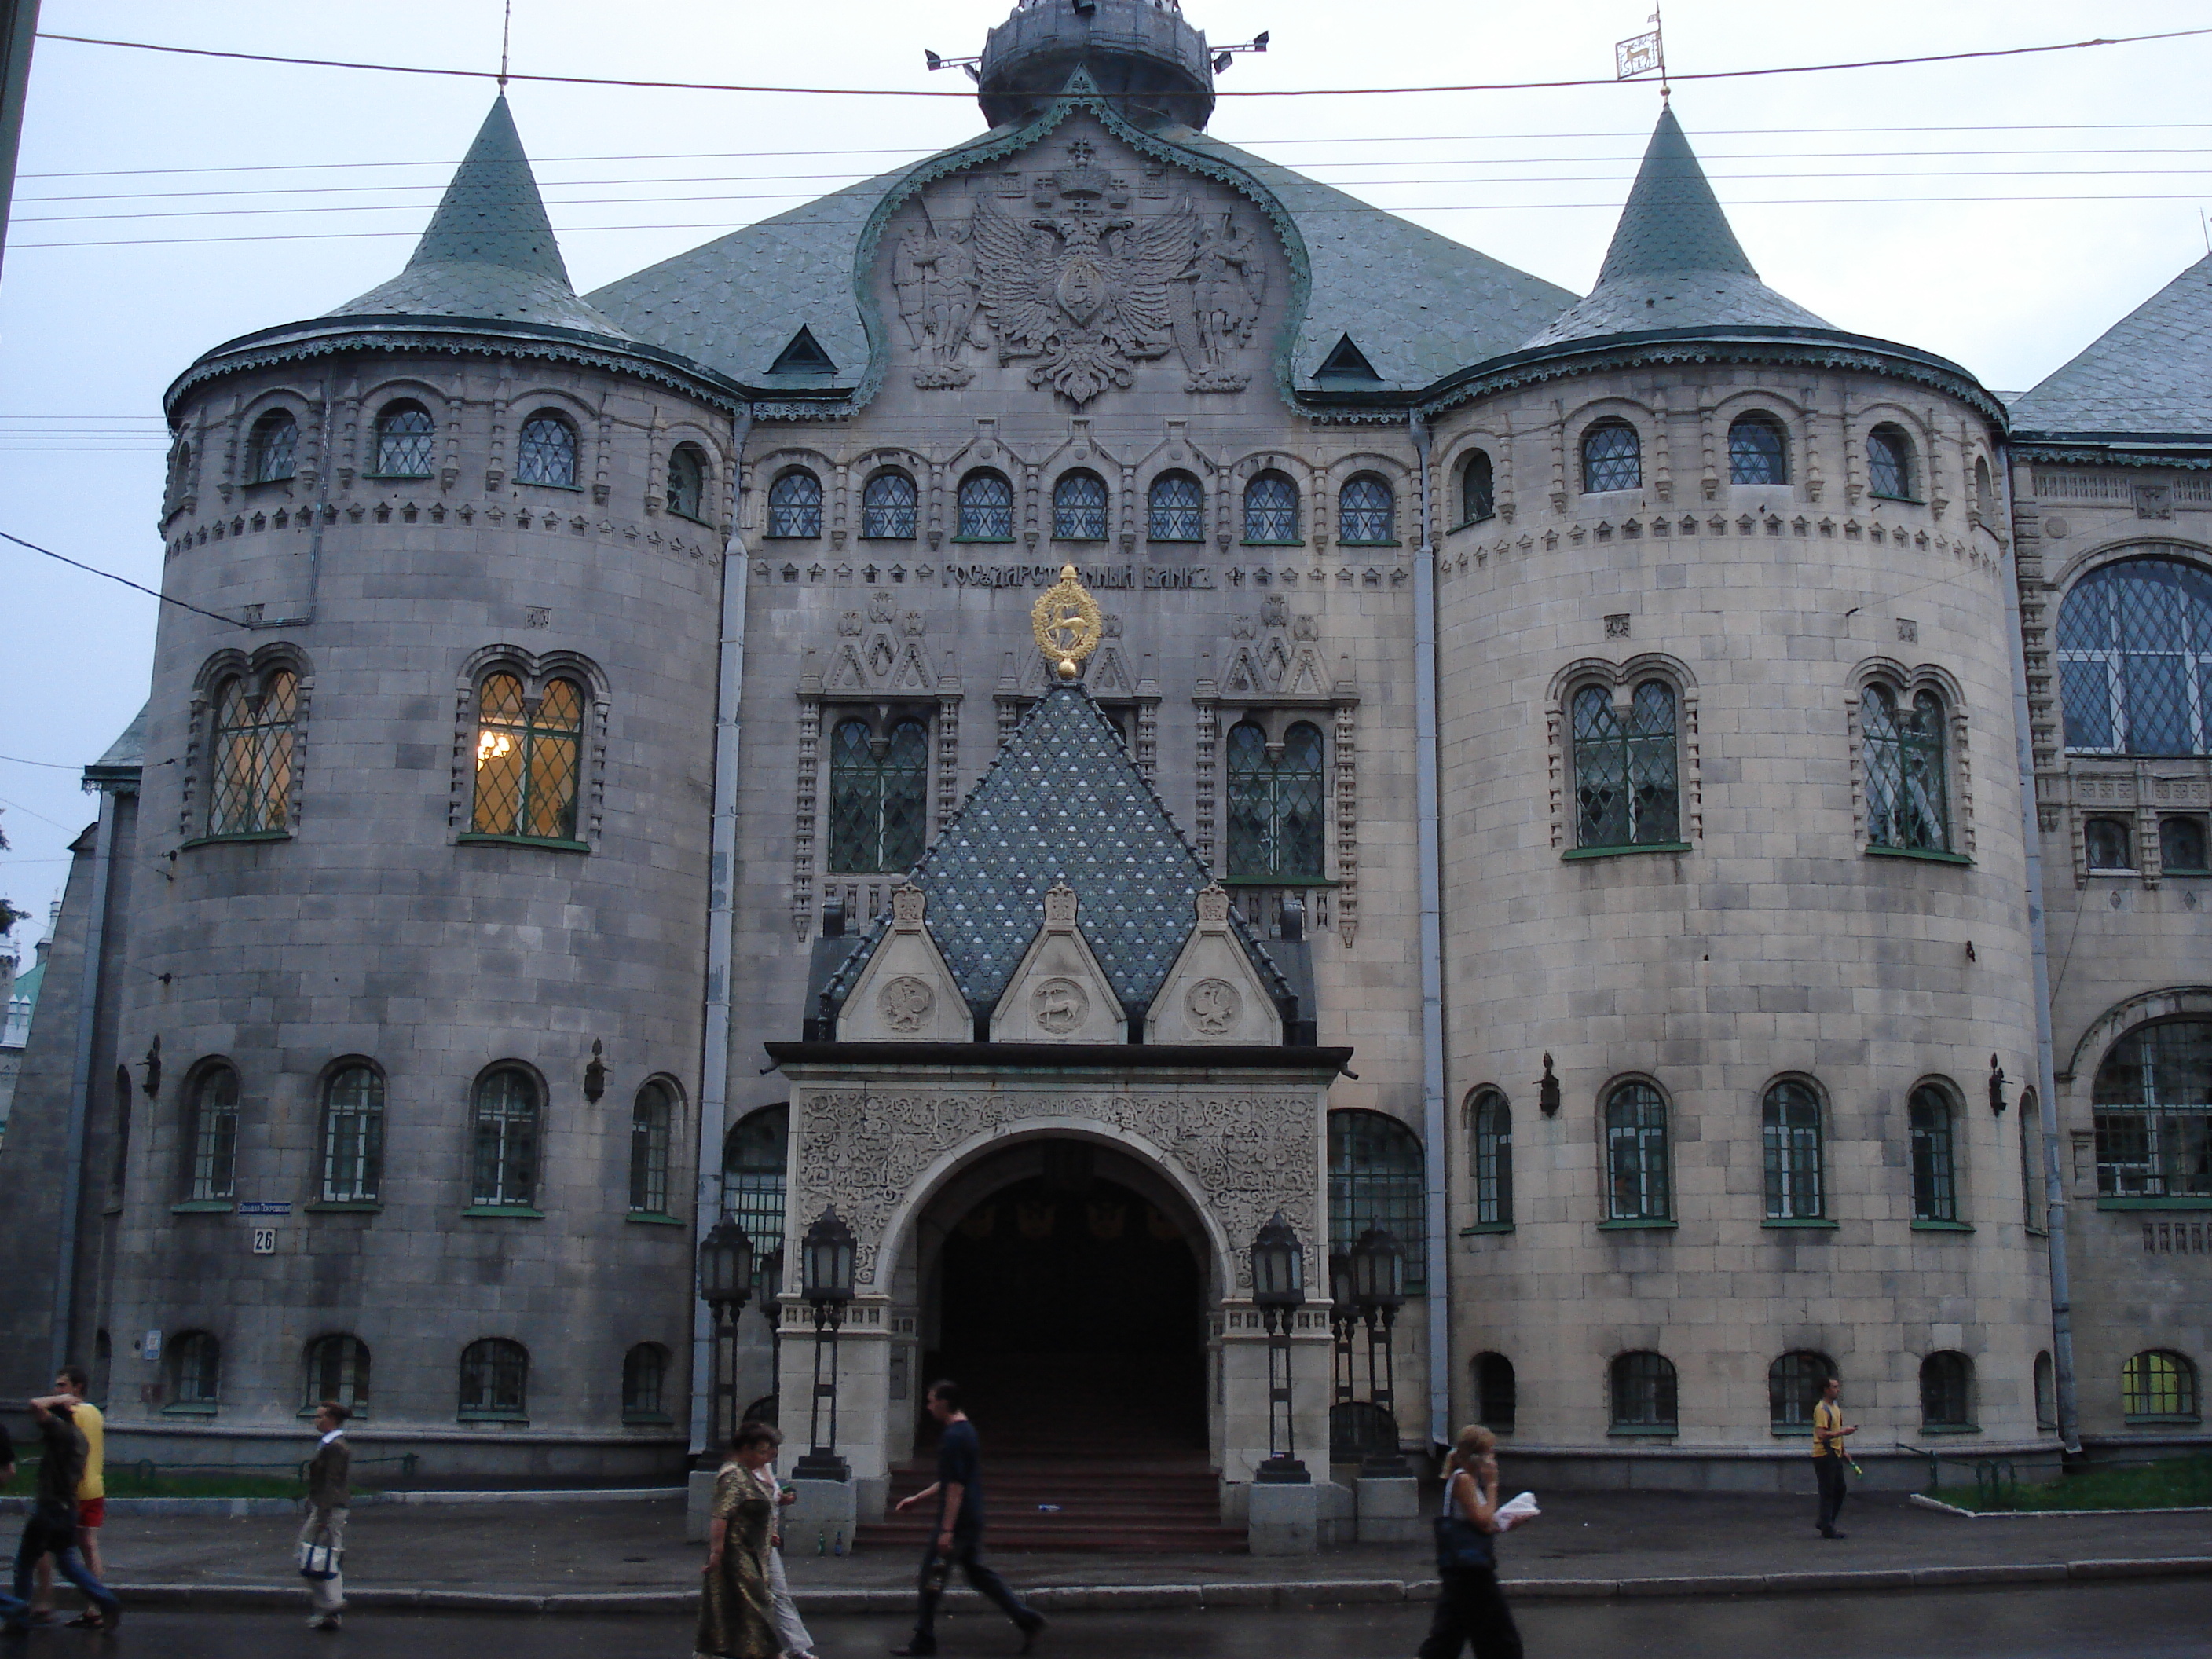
<point x="51" y="1528"/>
<point x="958" y="1539"/>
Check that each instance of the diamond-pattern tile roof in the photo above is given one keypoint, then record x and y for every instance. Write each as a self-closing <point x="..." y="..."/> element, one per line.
<point x="2150" y="373"/>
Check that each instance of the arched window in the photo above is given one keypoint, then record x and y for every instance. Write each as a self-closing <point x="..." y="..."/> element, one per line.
<point x="2134" y="659"/>
<point x="1907" y="803"/>
<point x="878" y="796"/>
<point x="2046" y="1393"/>
<point x="1758" y="452"/>
<point x="795" y="504"/>
<point x="687" y="481"/>
<point x="353" y="1134"/>
<point x="1495" y="1393"/>
<point x="1366" y="512"/>
<point x="405" y="435"/>
<point x="652" y="1124"/>
<point x="194" y="1359"/>
<point x="645" y="1384"/>
<point x="546" y="453"/>
<point x="503" y="1160"/>
<point x="2109" y="843"/>
<point x="1271" y="509"/>
<point x="985" y="509"/>
<point x="337" y="1369"/>
<point x="1078" y="508"/>
<point x="1643" y="1390"/>
<point x="2181" y="846"/>
<point x="1793" y="1389"/>
<point x="1789" y="1129"/>
<point x="1889" y="463"/>
<point x="1477" y="488"/>
<point x="272" y="448"/>
<point x="527" y="753"/>
<point x="754" y="1158"/>
<point x="1935" y="1169"/>
<point x="1946" y="1392"/>
<point x="1613" y="457"/>
<point x="2159" y="1386"/>
<point x="1177" y="509"/>
<point x="2153" y="1104"/>
<point x="1275" y="803"/>
<point x="1638" y="1186"/>
<point x="256" y="734"/>
<point x="888" y="507"/>
<point x="495" y="1380"/>
<point x="1627" y="789"/>
<point x="1985" y="490"/>
<point x="181" y="468"/>
<point x="1374" y="1180"/>
<point x="1490" y="1147"/>
<point x="211" y="1143"/>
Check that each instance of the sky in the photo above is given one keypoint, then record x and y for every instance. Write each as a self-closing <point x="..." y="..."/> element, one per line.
<point x="2000" y="212"/>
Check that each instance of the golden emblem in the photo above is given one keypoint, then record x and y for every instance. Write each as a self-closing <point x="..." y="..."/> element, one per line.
<point x="1066" y="623"/>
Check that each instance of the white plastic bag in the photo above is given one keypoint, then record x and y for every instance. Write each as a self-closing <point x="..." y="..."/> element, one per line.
<point x="1515" y="1510"/>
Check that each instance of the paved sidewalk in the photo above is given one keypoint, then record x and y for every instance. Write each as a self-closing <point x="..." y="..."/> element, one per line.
<point x="581" y="1557"/>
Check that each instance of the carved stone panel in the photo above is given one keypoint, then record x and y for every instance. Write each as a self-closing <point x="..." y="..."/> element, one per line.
<point x="1212" y="993"/>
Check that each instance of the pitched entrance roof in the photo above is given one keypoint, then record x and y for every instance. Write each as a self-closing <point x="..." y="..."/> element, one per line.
<point x="2149" y="373"/>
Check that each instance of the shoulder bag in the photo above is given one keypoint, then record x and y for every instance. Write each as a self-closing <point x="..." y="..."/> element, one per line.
<point x="1460" y="1545"/>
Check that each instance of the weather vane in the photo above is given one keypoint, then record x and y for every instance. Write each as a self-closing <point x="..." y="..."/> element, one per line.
<point x="1066" y="623"/>
<point x="1642" y="53"/>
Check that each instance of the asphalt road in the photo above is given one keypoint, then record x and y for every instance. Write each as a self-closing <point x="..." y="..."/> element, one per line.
<point x="2153" y="1620"/>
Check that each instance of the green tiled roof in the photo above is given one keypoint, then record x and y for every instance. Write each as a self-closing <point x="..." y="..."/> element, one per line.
<point x="2149" y="373"/>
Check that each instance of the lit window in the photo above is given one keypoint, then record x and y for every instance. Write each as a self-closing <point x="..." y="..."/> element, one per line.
<point x="651" y="1122"/>
<point x="985" y="509"/>
<point x="1374" y="1180"/>
<point x="1275" y="803"/>
<point x="1178" y="509"/>
<point x="2153" y="1104"/>
<point x="754" y="1156"/>
<point x="1477" y="489"/>
<point x="1889" y="463"/>
<point x="271" y="447"/>
<point x="1271" y="509"/>
<point x="1626" y="788"/>
<point x="2134" y="659"/>
<point x="1946" y="1392"/>
<point x="878" y="792"/>
<point x="1613" y="457"/>
<point x="1790" y="1126"/>
<point x="547" y="453"/>
<point x="526" y="759"/>
<point x="1636" y="1158"/>
<point x="2181" y="846"/>
<point x="503" y="1163"/>
<point x="353" y="1134"/>
<point x="211" y="1169"/>
<point x="1078" y="508"/>
<point x="1794" y="1383"/>
<point x="195" y="1366"/>
<point x="1935" y="1171"/>
<point x="645" y="1384"/>
<point x="255" y="737"/>
<point x="687" y="481"/>
<point x="1366" y="512"/>
<point x="1496" y="1393"/>
<point x="1643" y="1390"/>
<point x="2159" y="1384"/>
<point x="2109" y="843"/>
<point x="494" y="1379"/>
<point x="794" y="505"/>
<point x="1905" y="771"/>
<point x="404" y="438"/>
<point x="1757" y="453"/>
<point x="1490" y="1136"/>
<point x="887" y="507"/>
<point x="337" y="1369"/>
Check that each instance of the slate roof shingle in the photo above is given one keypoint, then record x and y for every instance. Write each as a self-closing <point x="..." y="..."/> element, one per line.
<point x="2150" y="373"/>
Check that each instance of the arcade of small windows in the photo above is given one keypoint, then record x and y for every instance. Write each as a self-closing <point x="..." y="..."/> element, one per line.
<point x="1271" y="511"/>
<point x="1613" y="457"/>
<point x="528" y="761"/>
<point x="2152" y="1110"/>
<point x="546" y="452"/>
<point x="1367" y="513"/>
<point x="1758" y="452"/>
<point x="879" y="794"/>
<point x="1905" y="770"/>
<point x="1078" y="508"/>
<point x="1176" y="509"/>
<point x="272" y="448"/>
<point x="889" y="506"/>
<point x="794" y="505"/>
<point x="1625" y="768"/>
<point x="2134" y="659"/>
<point x="1374" y="1180"/>
<point x="253" y="749"/>
<point x="984" y="510"/>
<point x="1276" y="803"/>
<point x="405" y="438"/>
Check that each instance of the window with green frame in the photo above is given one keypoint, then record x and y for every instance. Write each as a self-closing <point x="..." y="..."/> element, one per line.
<point x="652" y="1122"/>
<point x="1489" y="1149"/>
<point x="1627" y="771"/>
<point x="1638" y="1186"/>
<point x="1643" y="1390"/>
<point x="1934" y="1162"/>
<point x="1794" y="1383"/>
<point x="2153" y="1107"/>
<point x="1789" y="1131"/>
<point x="2161" y="1385"/>
<point x="1903" y="756"/>
<point x="1374" y="1180"/>
<point x="1275" y="803"/>
<point x="494" y="1379"/>
<point x="528" y="754"/>
<point x="878" y="792"/>
<point x="1946" y="1391"/>
<point x="503" y="1150"/>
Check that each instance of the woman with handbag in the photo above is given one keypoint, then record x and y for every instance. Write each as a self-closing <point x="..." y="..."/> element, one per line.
<point x="1470" y="1607"/>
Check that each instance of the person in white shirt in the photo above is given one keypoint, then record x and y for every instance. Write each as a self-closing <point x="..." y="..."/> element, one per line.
<point x="790" y="1629"/>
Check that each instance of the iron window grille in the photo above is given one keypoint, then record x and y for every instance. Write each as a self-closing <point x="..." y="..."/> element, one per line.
<point x="1496" y="1392"/>
<point x="1643" y="1390"/>
<point x="1275" y="803"/>
<point x="1757" y="452"/>
<point x="687" y="482"/>
<point x="504" y="1166"/>
<point x="985" y="509"/>
<point x="1905" y="771"/>
<point x="494" y="1379"/>
<point x="2159" y="1384"/>
<point x="353" y="1135"/>
<point x="1934" y="1172"/>
<point x="2109" y="843"/>
<point x="547" y="451"/>
<point x="1794" y="1383"/>
<point x="1477" y="489"/>
<point x="754" y="1158"/>
<point x="195" y="1369"/>
<point x="888" y="507"/>
<point x="652" y="1120"/>
<point x="644" y="1380"/>
<point x="1271" y="509"/>
<point x="1946" y="1389"/>
<point x="337" y="1369"/>
<point x="256" y="738"/>
<point x="878" y="794"/>
<point x="2153" y="1108"/>
<point x="1789" y="1129"/>
<point x="1637" y="1176"/>
<point x="1078" y="508"/>
<point x="1177" y="509"/>
<point x="1613" y="457"/>
<point x="1374" y="1180"/>
<point x="1491" y="1142"/>
<point x="404" y="434"/>
<point x="794" y="505"/>
<point x="1628" y="787"/>
<point x="2181" y="846"/>
<point x="2134" y="659"/>
<point x="212" y="1171"/>
<point x="527" y="759"/>
<point x="272" y="448"/>
<point x="1889" y="463"/>
<point x="1366" y="512"/>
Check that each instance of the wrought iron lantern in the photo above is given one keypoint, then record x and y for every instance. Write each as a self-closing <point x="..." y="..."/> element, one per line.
<point x="726" y="1266"/>
<point x="1278" y="1290"/>
<point x="826" y="1261"/>
<point x="1279" y="1267"/>
<point x="1378" y="1272"/>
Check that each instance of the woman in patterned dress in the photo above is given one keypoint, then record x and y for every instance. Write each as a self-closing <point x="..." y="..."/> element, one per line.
<point x="736" y="1620"/>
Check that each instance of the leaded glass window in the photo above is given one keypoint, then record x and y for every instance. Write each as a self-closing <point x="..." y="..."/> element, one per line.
<point x="1935" y="1169"/>
<point x="755" y="1158"/>
<point x="2181" y="846"/>
<point x="1642" y="1393"/>
<point x="651" y="1121"/>
<point x="1490" y="1135"/>
<point x="211" y="1171"/>
<point x="1477" y="489"/>
<point x="503" y="1165"/>
<point x="527" y="757"/>
<point x="2153" y="1104"/>
<point x="2134" y="659"/>
<point x="2160" y="1384"/>
<point x="1626" y="788"/>
<point x="1496" y="1393"/>
<point x="1946" y="1392"/>
<point x="1613" y="457"/>
<point x="1078" y="508"/>
<point x="1794" y="1383"/>
<point x="687" y="481"/>
<point x="1275" y="826"/>
<point x="353" y="1134"/>
<point x="404" y="434"/>
<point x="1366" y="512"/>
<point x="645" y="1383"/>
<point x="1789" y="1129"/>
<point x="494" y="1378"/>
<point x="1636" y="1159"/>
<point x="878" y="789"/>
<point x="794" y="505"/>
<point x="272" y="448"/>
<point x="1271" y="509"/>
<point x="888" y="507"/>
<point x="985" y="509"/>
<point x="2109" y="843"/>
<point x="1374" y="1180"/>
<point x="195" y="1369"/>
<point x="337" y="1369"/>
<point x="1757" y="452"/>
<point x="1905" y="771"/>
<point x="1889" y="463"/>
<point x="547" y="451"/>
<point x="1177" y="509"/>
<point x="255" y="739"/>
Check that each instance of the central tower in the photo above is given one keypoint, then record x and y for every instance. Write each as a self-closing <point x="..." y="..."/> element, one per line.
<point x="1156" y="67"/>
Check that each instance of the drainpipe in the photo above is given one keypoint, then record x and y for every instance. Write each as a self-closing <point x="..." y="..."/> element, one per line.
<point x="79" y="1100"/>
<point x="1429" y="839"/>
<point x="2046" y="1082"/>
<point x="721" y="928"/>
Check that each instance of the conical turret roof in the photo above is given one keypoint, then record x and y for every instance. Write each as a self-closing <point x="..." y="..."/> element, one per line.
<point x="489" y="251"/>
<point x="1675" y="262"/>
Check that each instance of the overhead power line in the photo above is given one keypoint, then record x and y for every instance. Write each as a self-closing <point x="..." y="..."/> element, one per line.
<point x="183" y="605"/>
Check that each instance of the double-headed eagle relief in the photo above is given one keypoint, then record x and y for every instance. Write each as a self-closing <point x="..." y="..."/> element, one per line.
<point x="1080" y="288"/>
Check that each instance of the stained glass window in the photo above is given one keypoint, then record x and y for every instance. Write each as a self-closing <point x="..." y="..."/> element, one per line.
<point x="887" y="507"/>
<point x="1374" y="1180"/>
<point x="353" y="1134"/>
<point x="1477" y="489"/>
<point x="1613" y="457"/>
<point x="1366" y="512"/>
<point x="2154" y="1113"/>
<point x="195" y="1369"/>
<point x="1935" y="1171"/>
<point x="504" y="1161"/>
<point x="1790" y="1126"/>
<point x="1271" y="509"/>
<point x="1889" y="463"/>
<point x="1275" y="825"/>
<point x="1078" y="508"/>
<point x="2159" y="1383"/>
<point x="1757" y="454"/>
<point x="645" y="1381"/>
<point x="2181" y="846"/>
<point x="1637" y="1177"/>
<point x="1905" y="771"/>
<point x="755" y="1158"/>
<point x="985" y="509"/>
<point x="255" y="737"/>
<point x="1794" y="1383"/>
<point x="494" y="1378"/>
<point x="878" y="791"/>
<point x="1946" y="1391"/>
<point x="1496" y="1392"/>
<point x="2134" y="659"/>
<point x="1490" y="1145"/>
<point x="687" y="481"/>
<point x="212" y="1171"/>
<point x="2109" y="843"/>
<point x="1626" y="788"/>
<point x="404" y="434"/>
<point x="652" y="1121"/>
<point x="337" y="1369"/>
<point x="1178" y="509"/>
<point x="527" y="756"/>
<point x="547" y="451"/>
<point x="271" y="447"/>
<point x="794" y="505"/>
<point x="1643" y="1390"/>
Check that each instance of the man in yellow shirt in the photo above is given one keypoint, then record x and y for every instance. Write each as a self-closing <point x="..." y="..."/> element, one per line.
<point x="91" y="1494"/>
<point x="1829" y="1457"/>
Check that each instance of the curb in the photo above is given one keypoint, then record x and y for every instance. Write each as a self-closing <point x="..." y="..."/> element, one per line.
<point x="1921" y="1500"/>
<point x="1290" y="1596"/>
<point x="235" y="1507"/>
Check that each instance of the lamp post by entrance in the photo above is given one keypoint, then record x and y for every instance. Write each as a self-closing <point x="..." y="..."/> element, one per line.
<point x="725" y="1282"/>
<point x="1378" y="1276"/>
<point x="1279" y="1289"/>
<point x="826" y="1274"/>
<point x="1343" y="1319"/>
